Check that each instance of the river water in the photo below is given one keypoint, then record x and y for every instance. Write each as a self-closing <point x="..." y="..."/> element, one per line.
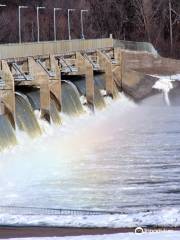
<point x="125" y="158"/>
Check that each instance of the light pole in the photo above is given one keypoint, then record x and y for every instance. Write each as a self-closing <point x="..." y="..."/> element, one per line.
<point x="20" y="7"/>
<point x="3" y="5"/>
<point x="55" y="10"/>
<point x="170" y="22"/>
<point x="69" y="24"/>
<point x="82" y="23"/>
<point x="171" y="10"/>
<point x="37" y="9"/>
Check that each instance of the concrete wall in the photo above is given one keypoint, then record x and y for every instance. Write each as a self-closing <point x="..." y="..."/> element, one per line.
<point x="45" y="48"/>
<point x="148" y="63"/>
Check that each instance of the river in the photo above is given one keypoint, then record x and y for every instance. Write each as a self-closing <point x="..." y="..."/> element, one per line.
<point x="124" y="158"/>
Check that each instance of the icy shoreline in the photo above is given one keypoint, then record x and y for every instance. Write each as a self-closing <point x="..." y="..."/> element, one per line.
<point x="122" y="236"/>
<point x="164" y="218"/>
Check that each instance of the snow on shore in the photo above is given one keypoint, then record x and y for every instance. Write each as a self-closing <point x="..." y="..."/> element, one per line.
<point x="168" y="217"/>
<point x="122" y="236"/>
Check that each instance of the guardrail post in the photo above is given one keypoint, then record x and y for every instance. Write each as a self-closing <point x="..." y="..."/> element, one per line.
<point x="86" y="68"/>
<point x="7" y="93"/>
<point x="106" y="66"/>
<point x="41" y="80"/>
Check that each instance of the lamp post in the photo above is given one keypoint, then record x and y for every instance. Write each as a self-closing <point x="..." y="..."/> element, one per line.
<point x="171" y="10"/>
<point x="19" y="10"/>
<point x="55" y="10"/>
<point x="37" y="9"/>
<point x="82" y="23"/>
<point x="170" y="22"/>
<point x="69" y="24"/>
<point x="2" y="5"/>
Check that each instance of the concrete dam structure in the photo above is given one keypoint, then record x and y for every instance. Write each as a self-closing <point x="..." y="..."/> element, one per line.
<point x="43" y="80"/>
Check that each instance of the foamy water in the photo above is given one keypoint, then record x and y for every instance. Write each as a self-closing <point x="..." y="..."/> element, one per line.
<point x="125" y="158"/>
<point x="165" y="85"/>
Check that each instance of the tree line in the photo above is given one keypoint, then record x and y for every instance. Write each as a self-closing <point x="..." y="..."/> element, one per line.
<point x="134" y="20"/>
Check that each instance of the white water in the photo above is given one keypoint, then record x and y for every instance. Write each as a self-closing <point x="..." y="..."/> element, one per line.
<point x="168" y="217"/>
<point x="124" y="158"/>
<point x="34" y="160"/>
<point x="164" y="84"/>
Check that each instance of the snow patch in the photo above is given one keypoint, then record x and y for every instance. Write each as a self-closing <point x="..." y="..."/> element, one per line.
<point x="121" y="236"/>
<point x="164" y="218"/>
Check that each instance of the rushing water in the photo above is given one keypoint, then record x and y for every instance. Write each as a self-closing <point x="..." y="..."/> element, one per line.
<point x="25" y="117"/>
<point x="71" y="104"/>
<point x="125" y="159"/>
<point x="99" y="102"/>
<point x="7" y="134"/>
<point x="34" y="99"/>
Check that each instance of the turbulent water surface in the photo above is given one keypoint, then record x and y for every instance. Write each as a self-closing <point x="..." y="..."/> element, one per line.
<point x="125" y="159"/>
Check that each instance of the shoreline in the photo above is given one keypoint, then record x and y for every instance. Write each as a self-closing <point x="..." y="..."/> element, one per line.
<point x="25" y="232"/>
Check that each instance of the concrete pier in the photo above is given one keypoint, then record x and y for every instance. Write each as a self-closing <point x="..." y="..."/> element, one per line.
<point x="7" y="93"/>
<point x="41" y="80"/>
<point x="85" y="68"/>
<point x="106" y="66"/>
<point x="55" y="81"/>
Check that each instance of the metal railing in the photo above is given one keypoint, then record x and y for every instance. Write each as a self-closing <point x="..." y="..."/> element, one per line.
<point x="52" y="211"/>
<point x="135" y="46"/>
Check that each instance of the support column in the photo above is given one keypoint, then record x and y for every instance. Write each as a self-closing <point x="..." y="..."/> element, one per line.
<point x="55" y="83"/>
<point x="117" y="71"/>
<point x="41" y="80"/>
<point x="118" y="55"/>
<point x="106" y="66"/>
<point x="7" y="93"/>
<point x="117" y="77"/>
<point x="85" y="67"/>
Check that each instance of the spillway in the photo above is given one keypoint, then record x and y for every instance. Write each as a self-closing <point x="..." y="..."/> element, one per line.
<point x="7" y="133"/>
<point x="71" y="104"/>
<point x="117" y="159"/>
<point x="99" y="102"/>
<point x="25" y="117"/>
<point x="34" y="98"/>
<point x="99" y="80"/>
<point x="120" y="164"/>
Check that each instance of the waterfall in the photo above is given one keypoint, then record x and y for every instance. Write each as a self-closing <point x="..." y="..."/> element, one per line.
<point x="98" y="99"/>
<point x="71" y="104"/>
<point x="25" y="118"/>
<point x="7" y="134"/>
<point x="55" y="116"/>
<point x="100" y="83"/>
<point x="164" y="84"/>
<point x="34" y="98"/>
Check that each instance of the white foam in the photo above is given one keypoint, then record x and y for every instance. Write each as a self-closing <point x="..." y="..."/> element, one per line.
<point x="44" y="125"/>
<point x="83" y="100"/>
<point x="168" y="217"/>
<point x="164" y="84"/>
<point x="103" y="92"/>
<point x="34" y="161"/>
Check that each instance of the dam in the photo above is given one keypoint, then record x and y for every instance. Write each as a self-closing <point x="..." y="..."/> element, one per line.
<point x="89" y="128"/>
<point x="51" y="77"/>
